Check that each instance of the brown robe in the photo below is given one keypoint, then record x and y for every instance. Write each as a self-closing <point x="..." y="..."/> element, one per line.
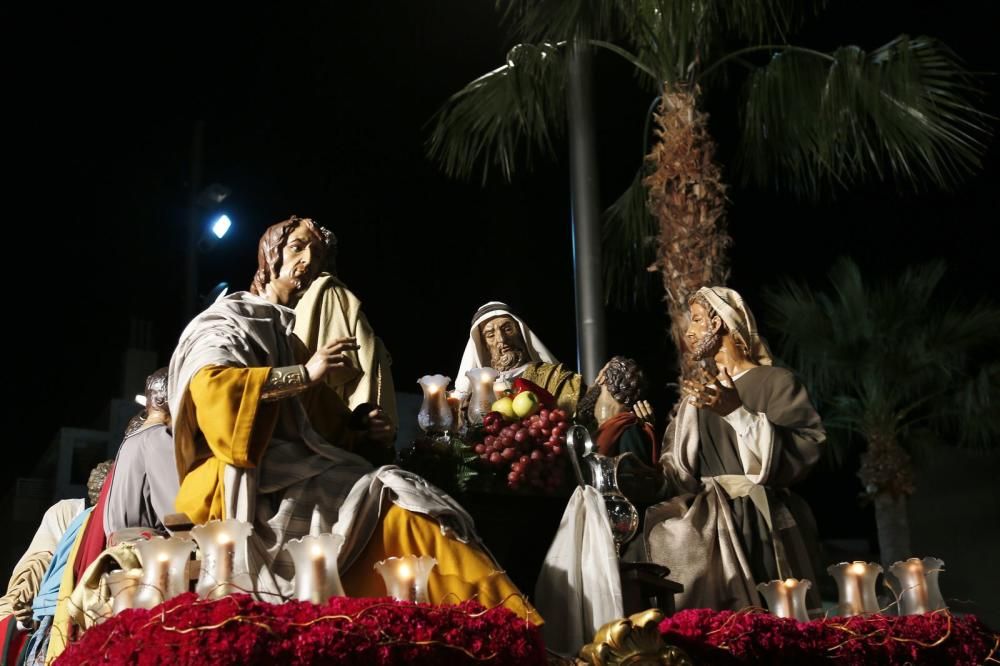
<point x="717" y="543"/>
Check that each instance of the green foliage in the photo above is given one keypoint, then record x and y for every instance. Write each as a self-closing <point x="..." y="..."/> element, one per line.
<point x="504" y="116"/>
<point x="893" y="360"/>
<point x="812" y="122"/>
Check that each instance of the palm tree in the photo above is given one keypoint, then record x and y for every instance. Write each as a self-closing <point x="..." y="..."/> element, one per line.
<point x="811" y="120"/>
<point x="895" y="364"/>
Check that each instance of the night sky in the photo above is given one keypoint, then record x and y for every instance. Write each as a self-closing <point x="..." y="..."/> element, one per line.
<point x="324" y="112"/>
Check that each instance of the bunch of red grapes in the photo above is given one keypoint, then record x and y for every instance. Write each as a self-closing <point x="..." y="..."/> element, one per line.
<point x="533" y="449"/>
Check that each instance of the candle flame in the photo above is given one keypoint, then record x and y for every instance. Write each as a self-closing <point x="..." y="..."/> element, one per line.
<point x="432" y="389"/>
<point x="791" y="582"/>
<point x="224" y="539"/>
<point x="163" y="557"/>
<point x="858" y="568"/>
<point x="405" y="572"/>
<point x="317" y="552"/>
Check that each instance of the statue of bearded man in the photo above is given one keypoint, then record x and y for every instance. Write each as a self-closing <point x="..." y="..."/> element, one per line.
<point x="501" y="340"/>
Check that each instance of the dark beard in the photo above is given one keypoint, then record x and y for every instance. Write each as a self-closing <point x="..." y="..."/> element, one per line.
<point x="707" y="346"/>
<point x="509" y="360"/>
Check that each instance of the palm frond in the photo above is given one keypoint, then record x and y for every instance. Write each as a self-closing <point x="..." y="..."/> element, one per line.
<point x="504" y="117"/>
<point x="892" y="358"/>
<point x="564" y="20"/>
<point x="628" y="241"/>
<point x="904" y="111"/>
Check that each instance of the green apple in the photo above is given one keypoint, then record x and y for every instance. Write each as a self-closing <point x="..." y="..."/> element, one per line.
<point x="506" y="408"/>
<point x="525" y="404"/>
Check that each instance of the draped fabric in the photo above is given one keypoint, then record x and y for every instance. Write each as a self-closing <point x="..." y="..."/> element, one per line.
<point x="732" y="522"/>
<point x="266" y="463"/>
<point x="476" y="354"/>
<point x="26" y="579"/>
<point x="579" y="586"/>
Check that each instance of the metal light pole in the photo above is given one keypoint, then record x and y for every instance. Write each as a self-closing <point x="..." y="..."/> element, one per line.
<point x="586" y="217"/>
<point x="193" y="226"/>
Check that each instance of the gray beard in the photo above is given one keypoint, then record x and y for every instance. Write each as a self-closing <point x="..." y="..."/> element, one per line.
<point x="509" y="360"/>
<point x="707" y="346"/>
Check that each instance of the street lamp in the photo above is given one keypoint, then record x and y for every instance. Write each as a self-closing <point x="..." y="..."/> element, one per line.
<point x="202" y="236"/>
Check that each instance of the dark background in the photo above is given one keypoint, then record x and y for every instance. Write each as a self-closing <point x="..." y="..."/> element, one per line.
<point x="323" y="111"/>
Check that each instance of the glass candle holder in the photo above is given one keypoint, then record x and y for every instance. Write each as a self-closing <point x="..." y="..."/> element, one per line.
<point x="224" y="566"/>
<point x="435" y="414"/>
<point x="122" y="585"/>
<point x="406" y="577"/>
<point x="786" y="598"/>
<point x="317" y="577"/>
<point x="855" y="587"/>
<point x="918" y="585"/>
<point x="164" y="570"/>
<point x="481" y="396"/>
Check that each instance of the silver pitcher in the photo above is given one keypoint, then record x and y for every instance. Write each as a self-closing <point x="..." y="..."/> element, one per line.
<point x="622" y="513"/>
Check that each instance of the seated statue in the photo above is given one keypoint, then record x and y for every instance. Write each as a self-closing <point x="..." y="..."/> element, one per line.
<point x="144" y="484"/>
<point x="259" y="436"/>
<point x="613" y="409"/>
<point x="741" y="436"/>
<point x="329" y="311"/>
<point x="499" y="339"/>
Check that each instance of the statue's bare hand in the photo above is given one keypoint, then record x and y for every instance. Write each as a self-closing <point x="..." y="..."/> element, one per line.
<point x="720" y="396"/>
<point x="644" y="411"/>
<point x="380" y="427"/>
<point x="330" y="356"/>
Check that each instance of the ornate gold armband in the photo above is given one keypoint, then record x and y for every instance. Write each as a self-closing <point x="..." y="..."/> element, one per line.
<point x="285" y="382"/>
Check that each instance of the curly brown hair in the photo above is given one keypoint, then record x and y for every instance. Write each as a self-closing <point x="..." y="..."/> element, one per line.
<point x="272" y="242"/>
<point x="96" y="481"/>
<point x="625" y="380"/>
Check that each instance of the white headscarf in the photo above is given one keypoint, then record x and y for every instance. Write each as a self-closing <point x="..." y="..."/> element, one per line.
<point x="729" y="305"/>
<point x="477" y="355"/>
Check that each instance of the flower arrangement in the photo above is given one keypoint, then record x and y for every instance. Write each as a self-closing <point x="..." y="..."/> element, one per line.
<point x="755" y="636"/>
<point x="240" y="630"/>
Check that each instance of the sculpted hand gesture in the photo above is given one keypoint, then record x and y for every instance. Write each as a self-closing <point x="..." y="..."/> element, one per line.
<point x="329" y="357"/>
<point x="719" y="396"/>
<point x="644" y="411"/>
<point x="379" y="427"/>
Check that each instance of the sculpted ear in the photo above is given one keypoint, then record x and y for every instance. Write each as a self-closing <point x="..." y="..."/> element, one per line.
<point x="716" y="323"/>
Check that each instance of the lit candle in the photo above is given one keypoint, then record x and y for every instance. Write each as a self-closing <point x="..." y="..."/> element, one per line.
<point x="122" y="585"/>
<point x="856" y="587"/>
<point x="787" y="598"/>
<point x="481" y="382"/>
<point x="224" y="567"/>
<point x="918" y="582"/>
<point x="164" y="570"/>
<point x="406" y="577"/>
<point x="316" y="571"/>
<point x="435" y="414"/>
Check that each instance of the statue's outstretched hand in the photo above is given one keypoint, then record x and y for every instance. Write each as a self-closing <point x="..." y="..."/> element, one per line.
<point x="719" y="396"/>
<point x="644" y="411"/>
<point x="330" y="356"/>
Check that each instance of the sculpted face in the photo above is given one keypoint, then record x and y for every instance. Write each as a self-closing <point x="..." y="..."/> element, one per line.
<point x="704" y="334"/>
<point x="606" y="406"/>
<point x="502" y="336"/>
<point x="300" y="259"/>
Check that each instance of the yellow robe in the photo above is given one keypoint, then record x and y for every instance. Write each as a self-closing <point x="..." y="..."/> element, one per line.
<point x="59" y="635"/>
<point x="236" y="431"/>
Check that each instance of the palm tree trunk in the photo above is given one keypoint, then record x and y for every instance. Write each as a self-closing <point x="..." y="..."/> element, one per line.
<point x="887" y="474"/>
<point x="688" y="200"/>
<point x="893" y="529"/>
